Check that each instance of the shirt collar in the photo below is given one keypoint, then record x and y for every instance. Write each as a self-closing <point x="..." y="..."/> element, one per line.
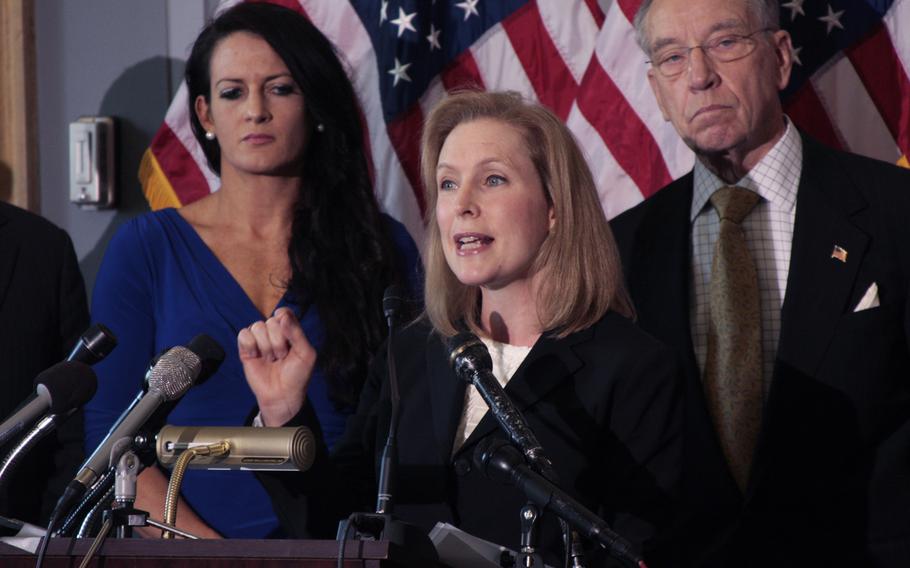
<point x="775" y="177"/>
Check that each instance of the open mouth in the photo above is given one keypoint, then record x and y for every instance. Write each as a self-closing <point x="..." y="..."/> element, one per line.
<point x="472" y="242"/>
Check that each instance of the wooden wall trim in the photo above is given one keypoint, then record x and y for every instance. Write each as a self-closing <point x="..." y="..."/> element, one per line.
<point x="18" y="105"/>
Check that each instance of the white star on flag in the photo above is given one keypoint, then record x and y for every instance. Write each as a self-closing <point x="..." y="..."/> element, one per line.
<point x="400" y="72"/>
<point x="795" y="54"/>
<point x="795" y="7"/>
<point x="433" y="38"/>
<point x="403" y="21"/>
<point x="383" y="12"/>
<point x="832" y="19"/>
<point x="469" y="7"/>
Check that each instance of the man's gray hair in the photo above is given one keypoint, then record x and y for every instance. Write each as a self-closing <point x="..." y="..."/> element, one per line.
<point x="765" y="12"/>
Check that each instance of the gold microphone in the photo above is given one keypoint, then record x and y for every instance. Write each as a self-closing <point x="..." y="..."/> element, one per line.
<point x="249" y="448"/>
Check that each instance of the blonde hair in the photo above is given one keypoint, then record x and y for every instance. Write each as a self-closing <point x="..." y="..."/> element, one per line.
<point x="583" y="277"/>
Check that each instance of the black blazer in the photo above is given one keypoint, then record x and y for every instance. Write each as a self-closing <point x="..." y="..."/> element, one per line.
<point x="830" y="483"/>
<point x="42" y="312"/>
<point x="604" y="403"/>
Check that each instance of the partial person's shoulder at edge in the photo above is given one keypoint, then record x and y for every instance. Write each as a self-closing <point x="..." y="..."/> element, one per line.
<point x="34" y="224"/>
<point x="399" y="234"/>
<point x="865" y="172"/>
<point x="625" y="337"/>
<point x="664" y="197"/>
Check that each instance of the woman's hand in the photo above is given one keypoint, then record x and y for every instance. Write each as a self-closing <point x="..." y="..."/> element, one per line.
<point x="278" y="362"/>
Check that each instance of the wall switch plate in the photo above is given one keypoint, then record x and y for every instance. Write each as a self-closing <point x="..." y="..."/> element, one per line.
<point x="92" y="173"/>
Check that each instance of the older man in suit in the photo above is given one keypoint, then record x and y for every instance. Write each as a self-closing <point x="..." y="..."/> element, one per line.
<point x="42" y="312"/>
<point x="779" y="269"/>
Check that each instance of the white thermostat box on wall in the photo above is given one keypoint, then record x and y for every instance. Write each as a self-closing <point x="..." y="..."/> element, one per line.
<point x="92" y="162"/>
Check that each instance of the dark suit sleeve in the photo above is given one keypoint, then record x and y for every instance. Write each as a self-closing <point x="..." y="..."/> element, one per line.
<point x="74" y="319"/>
<point x="646" y="433"/>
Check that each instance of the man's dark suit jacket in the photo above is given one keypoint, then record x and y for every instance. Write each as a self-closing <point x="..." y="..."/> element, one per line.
<point x="605" y="404"/>
<point x="830" y="483"/>
<point x="42" y="312"/>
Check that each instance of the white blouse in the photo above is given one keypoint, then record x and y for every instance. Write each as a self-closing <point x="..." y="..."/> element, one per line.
<point x="506" y="360"/>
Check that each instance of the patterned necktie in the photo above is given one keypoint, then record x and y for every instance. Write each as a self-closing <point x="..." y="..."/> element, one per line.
<point x="733" y="368"/>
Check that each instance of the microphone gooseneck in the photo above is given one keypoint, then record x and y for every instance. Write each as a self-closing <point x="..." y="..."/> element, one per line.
<point x="392" y="302"/>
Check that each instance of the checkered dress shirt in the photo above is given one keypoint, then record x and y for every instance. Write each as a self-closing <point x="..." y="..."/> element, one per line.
<point x="769" y="235"/>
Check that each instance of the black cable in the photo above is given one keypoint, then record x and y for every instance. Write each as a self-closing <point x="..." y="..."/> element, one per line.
<point x="347" y="523"/>
<point x="88" y="502"/>
<point x="86" y="529"/>
<point x="46" y="539"/>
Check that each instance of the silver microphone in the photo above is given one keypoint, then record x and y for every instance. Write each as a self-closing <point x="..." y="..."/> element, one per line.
<point x="253" y="449"/>
<point x="171" y="376"/>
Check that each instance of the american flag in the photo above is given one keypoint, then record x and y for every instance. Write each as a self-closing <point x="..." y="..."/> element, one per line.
<point x="850" y="86"/>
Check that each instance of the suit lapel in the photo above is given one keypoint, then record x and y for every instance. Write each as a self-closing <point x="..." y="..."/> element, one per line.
<point x="658" y="277"/>
<point x="446" y="397"/>
<point x="549" y="363"/>
<point x="9" y="252"/>
<point x="818" y="285"/>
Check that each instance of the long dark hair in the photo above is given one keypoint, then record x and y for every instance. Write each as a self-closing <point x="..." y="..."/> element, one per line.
<point x="340" y="252"/>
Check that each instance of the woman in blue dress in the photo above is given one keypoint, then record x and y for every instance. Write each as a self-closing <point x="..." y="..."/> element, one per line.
<point x="295" y="223"/>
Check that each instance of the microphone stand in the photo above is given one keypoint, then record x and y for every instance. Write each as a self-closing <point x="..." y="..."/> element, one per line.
<point x="381" y="525"/>
<point x="501" y="461"/>
<point x="114" y="493"/>
<point x="528" y="556"/>
<point x="389" y="462"/>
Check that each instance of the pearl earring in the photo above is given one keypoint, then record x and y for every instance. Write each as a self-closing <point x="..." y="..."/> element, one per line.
<point x="320" y="127"/>
<point x="209" y="135"/>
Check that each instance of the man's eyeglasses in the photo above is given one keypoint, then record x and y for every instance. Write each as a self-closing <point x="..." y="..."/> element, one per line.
<point x="673" y="61"/>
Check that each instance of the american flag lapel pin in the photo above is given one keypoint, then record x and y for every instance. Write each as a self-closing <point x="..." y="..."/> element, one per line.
<point x="840" y="253"/>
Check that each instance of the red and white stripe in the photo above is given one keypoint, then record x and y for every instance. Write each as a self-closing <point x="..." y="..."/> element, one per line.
<point x="580" y="58"/>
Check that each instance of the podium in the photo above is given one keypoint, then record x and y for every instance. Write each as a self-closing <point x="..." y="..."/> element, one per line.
<point x="179" y="553"/>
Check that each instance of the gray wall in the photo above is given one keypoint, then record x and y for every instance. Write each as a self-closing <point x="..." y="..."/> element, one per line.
<point x="120" y="58"/>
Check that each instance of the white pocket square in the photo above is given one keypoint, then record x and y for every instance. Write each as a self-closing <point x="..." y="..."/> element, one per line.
<point x="869" y="299"/>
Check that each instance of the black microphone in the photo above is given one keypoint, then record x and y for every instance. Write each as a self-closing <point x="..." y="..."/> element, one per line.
<point x="471" y="361"/>
<point x="59" y="389"/>
<point x="210" y="354"/>
<point x="501" y="462"/>
<point x="94" y="345"/>
<point x="412" y="541"/>
<point x="392" y="301"/>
